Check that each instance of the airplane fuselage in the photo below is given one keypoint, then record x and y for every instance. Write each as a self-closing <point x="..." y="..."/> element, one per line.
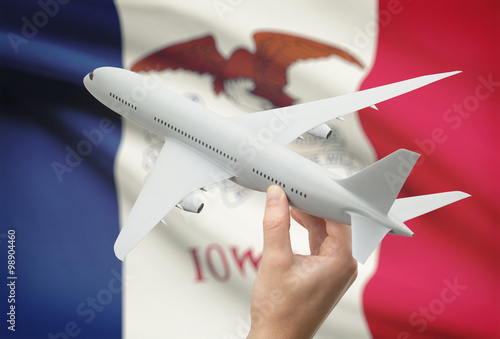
<point x="254" y="163"/>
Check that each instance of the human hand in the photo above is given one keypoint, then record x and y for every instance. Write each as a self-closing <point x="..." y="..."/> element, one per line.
<point x="293" y="294"/>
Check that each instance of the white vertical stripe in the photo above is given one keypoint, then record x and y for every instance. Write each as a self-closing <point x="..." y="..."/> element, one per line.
<point x="162" y="297"/>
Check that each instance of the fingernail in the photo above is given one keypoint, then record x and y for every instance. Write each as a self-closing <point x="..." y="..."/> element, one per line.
<point x="273" y="195"/>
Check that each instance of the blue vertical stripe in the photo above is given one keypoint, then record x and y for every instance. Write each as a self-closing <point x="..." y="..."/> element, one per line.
<point x="57" y="191"/>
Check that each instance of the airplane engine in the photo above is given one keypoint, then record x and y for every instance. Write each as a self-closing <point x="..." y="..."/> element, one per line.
<point x="191" y="203"/>
<point x="321" y="131"/>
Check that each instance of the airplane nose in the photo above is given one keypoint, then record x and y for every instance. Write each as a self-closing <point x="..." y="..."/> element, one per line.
<point x="88" y="80"/>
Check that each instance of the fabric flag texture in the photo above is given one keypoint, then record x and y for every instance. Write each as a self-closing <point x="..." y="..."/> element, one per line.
<point x="71" y="169"/>
<point x="57" y="192"/>
<point x="444" y="280"/>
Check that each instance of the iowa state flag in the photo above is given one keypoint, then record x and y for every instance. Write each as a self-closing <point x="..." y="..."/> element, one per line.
<point x="71" y="169"/>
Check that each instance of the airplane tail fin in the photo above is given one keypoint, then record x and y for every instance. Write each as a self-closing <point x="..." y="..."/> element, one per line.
<point x="379" y="184"/>
<point x="412" y="207"/>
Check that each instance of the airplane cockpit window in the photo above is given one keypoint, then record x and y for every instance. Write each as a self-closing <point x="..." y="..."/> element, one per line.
<point x="91" y="75"/>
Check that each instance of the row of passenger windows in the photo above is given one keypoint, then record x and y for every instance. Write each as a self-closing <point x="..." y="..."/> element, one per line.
<point x="126" y="103"/>
<point x="268" y="177"/>
<point x="199" y="141"/>
<point x="293" y="190"/>
<point x="277" y="182"/>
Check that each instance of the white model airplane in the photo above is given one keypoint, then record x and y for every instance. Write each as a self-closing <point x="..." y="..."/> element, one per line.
<point x="202" y="147"/>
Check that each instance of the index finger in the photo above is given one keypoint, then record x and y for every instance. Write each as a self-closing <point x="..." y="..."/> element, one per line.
<point x="338" y="240"/>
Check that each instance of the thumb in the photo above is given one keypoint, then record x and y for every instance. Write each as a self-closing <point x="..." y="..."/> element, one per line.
<point x="276" y="224"/>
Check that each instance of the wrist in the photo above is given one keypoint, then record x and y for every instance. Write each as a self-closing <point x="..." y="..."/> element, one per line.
<point x="287" y="331"/>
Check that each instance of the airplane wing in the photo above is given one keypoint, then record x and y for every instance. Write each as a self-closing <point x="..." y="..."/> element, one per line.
<point x="178" y="171"/>
<point x="288" y="123"/>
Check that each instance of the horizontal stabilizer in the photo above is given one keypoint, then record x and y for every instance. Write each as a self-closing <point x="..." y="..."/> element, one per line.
<point x="366" y="235"/>
<point x="379" y="184"/>
<point x="409" y="208"/>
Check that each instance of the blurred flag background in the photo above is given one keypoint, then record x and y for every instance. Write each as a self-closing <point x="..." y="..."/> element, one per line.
<point x="70" y="169"/>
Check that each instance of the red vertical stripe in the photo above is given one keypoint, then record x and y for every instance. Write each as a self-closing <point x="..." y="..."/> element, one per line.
<point x="444" y="282"/>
